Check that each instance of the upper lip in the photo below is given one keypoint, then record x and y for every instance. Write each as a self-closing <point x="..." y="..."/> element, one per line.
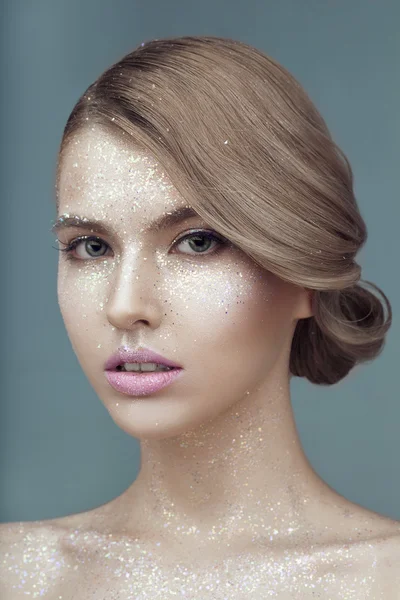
<point x="143" y="355"/>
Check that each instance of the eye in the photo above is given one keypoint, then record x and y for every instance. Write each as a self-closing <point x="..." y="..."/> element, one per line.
<point x="87" y="246"/>
<point x="91" y="247"/>
<point x="200" y="242"/>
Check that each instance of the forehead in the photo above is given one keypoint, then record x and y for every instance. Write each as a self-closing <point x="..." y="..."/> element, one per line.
<point x="102" y="169"/>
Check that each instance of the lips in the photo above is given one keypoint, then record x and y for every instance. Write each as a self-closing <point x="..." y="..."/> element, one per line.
<point x="143" y="355"/>
<point x="133" y="383"/>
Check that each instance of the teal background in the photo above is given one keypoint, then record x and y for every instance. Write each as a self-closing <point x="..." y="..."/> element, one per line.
<point x="60" y="451"/>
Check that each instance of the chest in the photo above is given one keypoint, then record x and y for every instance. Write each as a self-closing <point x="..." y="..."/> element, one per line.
<point x="141" y="574"/>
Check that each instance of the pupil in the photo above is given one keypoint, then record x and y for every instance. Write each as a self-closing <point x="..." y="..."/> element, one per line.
<point x="91" y="250"/>
<point x="200" y="237"/>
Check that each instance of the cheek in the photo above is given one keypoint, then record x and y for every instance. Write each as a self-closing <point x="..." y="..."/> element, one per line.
<point x="229" y="329"/>
<point x="230" y="304"/>
<point x="82" y="296"/>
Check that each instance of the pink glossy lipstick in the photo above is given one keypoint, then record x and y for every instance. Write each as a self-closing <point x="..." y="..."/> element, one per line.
<point x="121" y="376"/>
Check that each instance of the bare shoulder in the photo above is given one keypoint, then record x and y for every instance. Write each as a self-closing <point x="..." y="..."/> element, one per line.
<point x="379" y="556"/>
<point x="33" y="554"/>
<point x="31" y="560"/>
<point x="388" y="560"/>
<point x="377" y="563"/>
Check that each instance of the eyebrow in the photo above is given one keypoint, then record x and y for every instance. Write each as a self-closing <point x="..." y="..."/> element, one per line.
<point x="167" y="220"/>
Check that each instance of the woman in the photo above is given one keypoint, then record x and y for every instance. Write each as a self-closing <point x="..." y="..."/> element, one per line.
<point x="184" y="142"/>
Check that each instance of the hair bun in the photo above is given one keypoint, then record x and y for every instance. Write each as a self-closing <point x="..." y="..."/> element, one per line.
<point x="348" y="327"/>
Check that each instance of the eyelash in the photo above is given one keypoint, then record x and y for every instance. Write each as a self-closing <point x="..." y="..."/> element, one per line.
<point x="203" y="233"/>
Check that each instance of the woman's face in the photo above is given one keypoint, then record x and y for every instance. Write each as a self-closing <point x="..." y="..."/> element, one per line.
<point x="195" y="300"/>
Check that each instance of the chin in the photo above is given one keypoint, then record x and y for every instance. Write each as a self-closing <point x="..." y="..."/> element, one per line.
<point x="153" y="432"/>
<point x="155" y="418"/>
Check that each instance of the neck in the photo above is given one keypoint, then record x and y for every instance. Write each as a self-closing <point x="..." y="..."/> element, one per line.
<point x="242" y="473"/>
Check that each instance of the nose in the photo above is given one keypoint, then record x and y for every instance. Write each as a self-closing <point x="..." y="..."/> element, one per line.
<point x="133" y="300"/>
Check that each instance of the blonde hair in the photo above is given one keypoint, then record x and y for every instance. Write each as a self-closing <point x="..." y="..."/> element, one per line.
<point x="242" y="141"/>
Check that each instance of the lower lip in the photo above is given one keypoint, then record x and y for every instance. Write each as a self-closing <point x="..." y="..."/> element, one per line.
<point x="141" y="384"/>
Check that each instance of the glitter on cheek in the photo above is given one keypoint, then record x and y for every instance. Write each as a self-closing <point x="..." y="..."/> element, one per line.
<point x="86" y="278"/>
<point x="83" y="291"/>
<point x="209" y="287"/>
